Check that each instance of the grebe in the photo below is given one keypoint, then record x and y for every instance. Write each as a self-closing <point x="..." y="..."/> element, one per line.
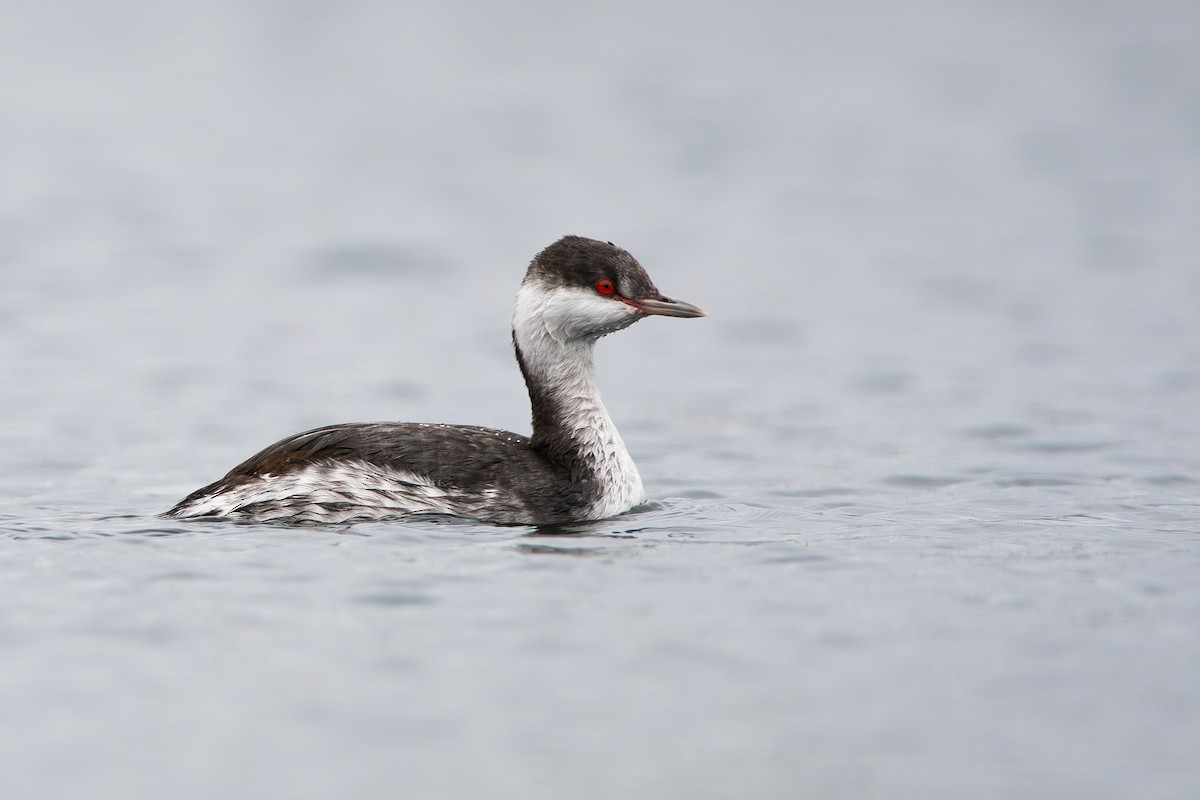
<point x="573" y="468"/>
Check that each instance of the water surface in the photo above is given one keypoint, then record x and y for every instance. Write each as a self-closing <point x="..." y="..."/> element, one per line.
<point x="924" y="516"/>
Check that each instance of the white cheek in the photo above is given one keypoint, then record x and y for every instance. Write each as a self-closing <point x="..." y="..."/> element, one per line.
<point x="580" y="314"/>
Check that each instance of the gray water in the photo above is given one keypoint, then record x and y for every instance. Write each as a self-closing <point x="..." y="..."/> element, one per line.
<point x="925" y="516"/>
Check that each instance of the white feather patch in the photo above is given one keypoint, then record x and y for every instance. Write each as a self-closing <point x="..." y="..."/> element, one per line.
<point x="329" y="492"/>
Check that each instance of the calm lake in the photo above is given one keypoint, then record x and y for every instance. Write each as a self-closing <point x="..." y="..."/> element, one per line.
<point x="925" y="487"/>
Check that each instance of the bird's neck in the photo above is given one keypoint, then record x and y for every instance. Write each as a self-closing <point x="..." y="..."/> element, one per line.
<point x="571" y="426"/>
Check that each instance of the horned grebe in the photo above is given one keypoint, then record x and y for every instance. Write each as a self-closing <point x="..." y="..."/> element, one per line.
<point x="574" y="467"/>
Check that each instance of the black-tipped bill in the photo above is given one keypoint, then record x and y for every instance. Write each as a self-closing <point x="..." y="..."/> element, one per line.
<point x="665" y="307"/>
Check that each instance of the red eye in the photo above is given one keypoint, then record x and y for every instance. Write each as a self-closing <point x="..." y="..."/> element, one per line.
<point x="605" y="287"/>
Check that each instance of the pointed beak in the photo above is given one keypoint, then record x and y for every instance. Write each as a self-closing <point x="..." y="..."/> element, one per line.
<point x="666" y="307"/>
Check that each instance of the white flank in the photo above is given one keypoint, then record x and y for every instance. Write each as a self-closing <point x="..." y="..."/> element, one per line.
<point x="330" y="492"/>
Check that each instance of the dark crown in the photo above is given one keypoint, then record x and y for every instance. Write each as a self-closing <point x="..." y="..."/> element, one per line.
<point x="582" y="262"/>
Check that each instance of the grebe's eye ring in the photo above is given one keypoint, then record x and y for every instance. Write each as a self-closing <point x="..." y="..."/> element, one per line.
<point x="605" y="287"/>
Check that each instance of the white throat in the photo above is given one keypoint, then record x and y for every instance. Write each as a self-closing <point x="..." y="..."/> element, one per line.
<point x="555" y="331"/>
